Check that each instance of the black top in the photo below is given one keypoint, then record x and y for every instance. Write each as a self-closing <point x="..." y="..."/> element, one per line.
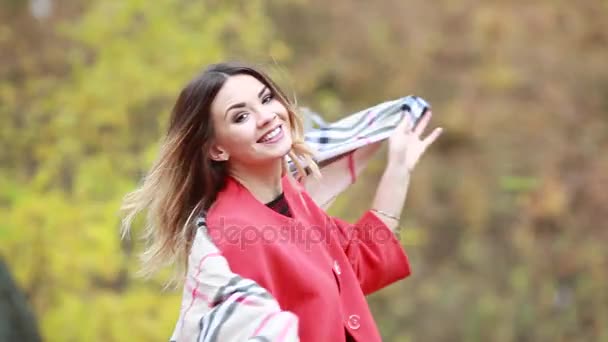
<point x="280" y="205"/>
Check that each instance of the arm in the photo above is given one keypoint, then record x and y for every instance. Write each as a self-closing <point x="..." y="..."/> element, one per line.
<point x="405" y="149"/>
<point x="371" y="245"/>
<point x="389" y="199"/>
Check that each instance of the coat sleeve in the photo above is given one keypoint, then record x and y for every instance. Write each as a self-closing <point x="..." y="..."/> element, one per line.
<point x="374" y="252"/>
<point x="219" y="305"/>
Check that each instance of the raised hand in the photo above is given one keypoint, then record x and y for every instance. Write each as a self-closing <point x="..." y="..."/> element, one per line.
<point x="406" y="144"/>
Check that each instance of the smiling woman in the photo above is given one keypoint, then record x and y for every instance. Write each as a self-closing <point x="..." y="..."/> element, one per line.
<point x="224" y="163"/>
<point x="252" y="128"/>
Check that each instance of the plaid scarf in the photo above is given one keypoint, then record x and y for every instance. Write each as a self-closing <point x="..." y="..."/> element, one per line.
<point x="219" y="305"/>
<point x="359" y="129"/>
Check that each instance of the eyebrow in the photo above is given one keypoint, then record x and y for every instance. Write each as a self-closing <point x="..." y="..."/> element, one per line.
<point x="242" y="104"/>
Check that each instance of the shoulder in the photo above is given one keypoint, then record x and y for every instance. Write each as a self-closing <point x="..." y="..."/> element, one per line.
<point x="225" y="212"/>
<point x="234" y="231"/>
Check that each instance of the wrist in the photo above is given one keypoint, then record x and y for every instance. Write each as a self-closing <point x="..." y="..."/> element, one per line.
<point x="386" y="215"/>
<point x="398" y="167"/>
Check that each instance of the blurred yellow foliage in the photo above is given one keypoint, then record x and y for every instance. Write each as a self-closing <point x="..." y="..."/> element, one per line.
<point x="505" y="223"/>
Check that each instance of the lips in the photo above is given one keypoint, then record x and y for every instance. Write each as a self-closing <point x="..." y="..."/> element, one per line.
<point x="269" y="136"/>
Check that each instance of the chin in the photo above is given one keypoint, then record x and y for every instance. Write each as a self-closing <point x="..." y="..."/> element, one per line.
<point x="270" y="156"/>
<point x="281" y="152"/>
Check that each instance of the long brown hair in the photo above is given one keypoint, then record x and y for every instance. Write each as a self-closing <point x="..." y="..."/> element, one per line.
<point x="183" y="180"/>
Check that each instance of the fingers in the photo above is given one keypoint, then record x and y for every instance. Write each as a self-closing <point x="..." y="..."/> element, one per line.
<point x="424" y="121"/>
<point x="432" y="137"/>
<point x="406" y="124"/>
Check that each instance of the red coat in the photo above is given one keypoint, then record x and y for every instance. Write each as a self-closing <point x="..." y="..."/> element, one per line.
<point x="308" y="262"/>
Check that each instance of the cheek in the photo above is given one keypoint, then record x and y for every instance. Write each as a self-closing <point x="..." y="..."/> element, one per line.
<point x="289" y="136"/>
<point x="278" y="108"/>
<point x="237" y="138"/>
<point x="284" y="116"/>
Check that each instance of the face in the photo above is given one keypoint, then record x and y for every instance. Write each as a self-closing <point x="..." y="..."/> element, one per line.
<point x="251" y="124"/>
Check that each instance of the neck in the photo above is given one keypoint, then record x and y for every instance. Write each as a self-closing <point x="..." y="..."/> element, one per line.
<point x="264" y="181"/>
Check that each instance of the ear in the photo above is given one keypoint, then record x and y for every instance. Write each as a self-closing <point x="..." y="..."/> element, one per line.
<point x="218" y="154"/>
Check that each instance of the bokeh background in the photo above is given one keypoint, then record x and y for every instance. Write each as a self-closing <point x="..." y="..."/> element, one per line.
<point x="506" y="219"/>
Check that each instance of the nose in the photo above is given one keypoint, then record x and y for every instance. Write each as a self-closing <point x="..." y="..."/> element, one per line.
<point x="265" y="117"/>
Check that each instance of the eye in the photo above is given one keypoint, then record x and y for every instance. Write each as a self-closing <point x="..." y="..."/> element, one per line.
<point x="267" y="98"/>
<point x="240" y="117"/>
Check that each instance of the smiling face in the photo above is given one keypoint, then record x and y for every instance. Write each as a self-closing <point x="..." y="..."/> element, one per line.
<point x="251" y="125"/>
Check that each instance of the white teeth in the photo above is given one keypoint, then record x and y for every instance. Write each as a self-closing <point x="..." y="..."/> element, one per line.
<point x="272" y="134"/>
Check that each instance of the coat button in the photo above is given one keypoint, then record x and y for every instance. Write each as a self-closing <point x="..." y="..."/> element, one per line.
<point x="337" y="267"/>
<point x="354" y="322"/>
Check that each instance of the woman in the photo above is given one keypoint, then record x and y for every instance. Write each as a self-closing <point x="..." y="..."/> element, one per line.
<point x="225" y="159"/>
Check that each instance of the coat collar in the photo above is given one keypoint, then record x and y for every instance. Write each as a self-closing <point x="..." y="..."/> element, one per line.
<point x="237" y="199"/>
